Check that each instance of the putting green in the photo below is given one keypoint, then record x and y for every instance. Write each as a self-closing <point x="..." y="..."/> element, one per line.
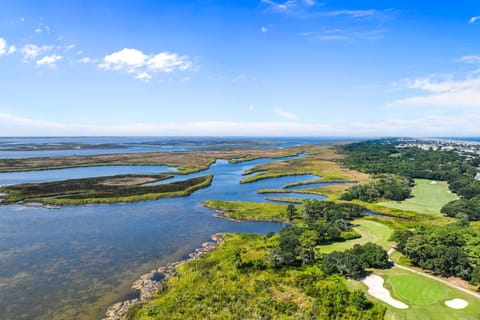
<point x="428" y="197"/>
<point x="371" y="231"/>
<point x="425" y="297"/>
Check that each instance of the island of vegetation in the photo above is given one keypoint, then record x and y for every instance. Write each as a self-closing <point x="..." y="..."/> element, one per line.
<point x="110" y="189"/>
<point x="185" y="161"/>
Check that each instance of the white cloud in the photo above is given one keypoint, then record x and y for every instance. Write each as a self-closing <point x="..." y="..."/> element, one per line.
<point x="264" y="29"/>
<point x="251" y="107"/>
<point x="446" y="125"/>
<point x="474" y="19"/>
<point x="38" y="30"/>
<point x="31" y="51"/>
<point x="87" y="60"/>
<point x="344" y="35"/>
<point x="285" y="114"/>
<point x="49" y="61"/>
<point x="168" y="62"/>
<point x="11" y="49"/>
<point x="441" y="92"/>
<point x="5" y="49"/>
<point x="144" y="76"/>
<point x="3" y="46"/>
<point x="472" y="59"/>
<point x="309" y="2"/>
<point x="135" y="61"/>
<point x="354" y="13"/>
<point x="280" y="6"/>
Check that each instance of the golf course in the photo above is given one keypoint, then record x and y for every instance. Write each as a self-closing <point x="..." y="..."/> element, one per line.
<point x="428" y="196"/>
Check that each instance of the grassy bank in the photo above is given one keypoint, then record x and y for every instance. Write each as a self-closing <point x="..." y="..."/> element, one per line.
<point x="113" y="189"/>
<point x="253" y="211"/>
<point x="320" y="161"/>
<point x="186" y="162"/>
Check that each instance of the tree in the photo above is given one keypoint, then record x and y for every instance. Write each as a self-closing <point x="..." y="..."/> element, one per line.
<point x="291" y="212"/>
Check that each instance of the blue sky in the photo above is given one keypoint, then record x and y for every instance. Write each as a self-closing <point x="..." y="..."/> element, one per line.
<point x="250" y="68"/>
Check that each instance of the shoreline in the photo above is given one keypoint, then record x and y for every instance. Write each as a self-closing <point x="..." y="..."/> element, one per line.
<point x="148" y="286"/>
<point x="220" y="214"/>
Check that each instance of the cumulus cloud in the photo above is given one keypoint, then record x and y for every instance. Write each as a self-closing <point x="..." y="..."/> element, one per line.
<point x="285" y="114"/>
<point x="441" y="92"/>
<point x="474" y="19"/>
<point x="31" y="51"/>
<point x="3" y="46"/>
<point x="144" y="76"/>
<point x="49" y="61"/>
<point x="264" y="29"/>
<point x="5" y="49"/>
<point x="135" y="61"/>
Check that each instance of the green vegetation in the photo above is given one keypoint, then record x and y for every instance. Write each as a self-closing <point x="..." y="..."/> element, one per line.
<point x="320" y="161"/>
<point x="463" y="208"/>
<point x="186" y="162"/>
<point x="254" y="211"/>
<point x="428" y="196"/>
<point x="352" y="262"/>
<point x="385" y="156"/>
<point x="369" y="231"/>
<point x="442" y="250"/>
<point x="112" y="189"/>
<point x="425" y="297"/>
<point x="384" y="186"/>
<point x="235" y="282"/>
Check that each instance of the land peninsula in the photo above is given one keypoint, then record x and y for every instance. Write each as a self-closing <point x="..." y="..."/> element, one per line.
<point x="334" y="256"/>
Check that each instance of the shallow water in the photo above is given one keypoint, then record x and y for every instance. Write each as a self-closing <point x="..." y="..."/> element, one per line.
<point x="73" y="262"/>
<point x="8" y="178"/>
<point x="141" y="144"/>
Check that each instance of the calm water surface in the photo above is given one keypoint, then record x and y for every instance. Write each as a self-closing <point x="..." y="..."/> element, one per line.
<point x="71" y="263"/>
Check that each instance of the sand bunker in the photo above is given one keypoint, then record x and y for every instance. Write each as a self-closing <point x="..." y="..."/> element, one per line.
<point x="433" y="182"/>
<point x="376" y="289"/>
<point x="456" y="303"/>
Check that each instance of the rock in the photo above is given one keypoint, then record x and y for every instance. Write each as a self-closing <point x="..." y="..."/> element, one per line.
<point x="148" y="287"/>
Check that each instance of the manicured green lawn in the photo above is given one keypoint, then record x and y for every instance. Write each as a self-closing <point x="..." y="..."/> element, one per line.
<point x="371" y="231"/>
<point x="428" y="197"/>
<point x="425" y="297"/>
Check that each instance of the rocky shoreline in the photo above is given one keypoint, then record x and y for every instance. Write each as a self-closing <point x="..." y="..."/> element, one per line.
<point x="148" y="285"/>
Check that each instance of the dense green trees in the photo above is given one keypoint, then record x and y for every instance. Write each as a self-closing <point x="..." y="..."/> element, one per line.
<point x="384" y="156"/>
<point x="352" y="262"/>
<point x="385" y="186"/>
<point x="331" y="211"/>
<point x="440" y="249"/>
<point x="463" y="208"/>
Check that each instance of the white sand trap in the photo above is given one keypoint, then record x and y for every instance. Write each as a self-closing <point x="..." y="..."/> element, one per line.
<point x="456" y="303"/>
<point x="376" y="289"/>
<point x="433" y="182"/>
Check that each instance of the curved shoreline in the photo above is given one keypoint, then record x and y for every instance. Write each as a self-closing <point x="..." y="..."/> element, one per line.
<point x="148" y="286"/>
<point x="221" y="214"/>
